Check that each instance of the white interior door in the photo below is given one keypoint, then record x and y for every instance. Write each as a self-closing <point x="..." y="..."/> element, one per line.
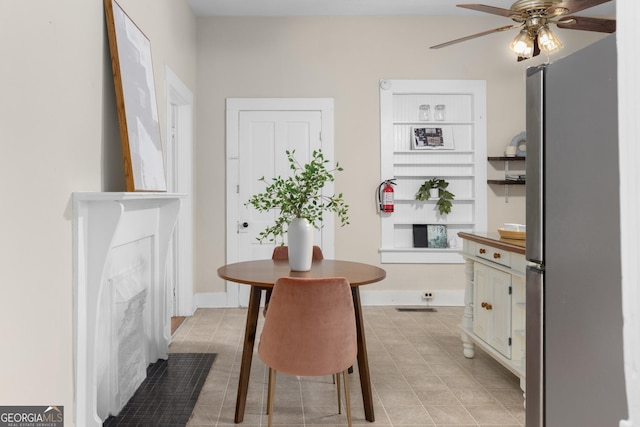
<point x="265" y="136"/>
<point x="179" y="159"/>
<point x="263" y="133"/>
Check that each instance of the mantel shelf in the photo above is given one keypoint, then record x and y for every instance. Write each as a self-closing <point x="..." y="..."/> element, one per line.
<point x="125" y="196"/>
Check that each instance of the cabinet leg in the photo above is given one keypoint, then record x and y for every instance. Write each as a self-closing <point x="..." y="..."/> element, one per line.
<point x="468" y="347"/>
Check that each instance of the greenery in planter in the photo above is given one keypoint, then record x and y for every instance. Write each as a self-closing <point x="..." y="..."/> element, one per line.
<point x="444" y="196"/>
<point x="299" y="196"/>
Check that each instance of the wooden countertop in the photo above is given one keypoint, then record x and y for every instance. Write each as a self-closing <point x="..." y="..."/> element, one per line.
<point x="494" y="239"/>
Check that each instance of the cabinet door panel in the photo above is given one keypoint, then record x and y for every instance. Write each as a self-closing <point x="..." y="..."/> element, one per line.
<point x="492" y="307"/>
<point x="501" y="308"/>
<point x="481" y="294"/>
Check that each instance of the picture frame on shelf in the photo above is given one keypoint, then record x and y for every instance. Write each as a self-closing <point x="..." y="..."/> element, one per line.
<point x="430" y="138"/>
<point x="419" y="235"/>
<point x="437" y="236"/>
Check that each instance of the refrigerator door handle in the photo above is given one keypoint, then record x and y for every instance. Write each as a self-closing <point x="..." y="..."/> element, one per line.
<point x="535" y="164"/>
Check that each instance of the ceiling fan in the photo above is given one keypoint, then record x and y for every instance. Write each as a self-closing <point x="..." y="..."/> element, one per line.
<point x="534" y="17"/>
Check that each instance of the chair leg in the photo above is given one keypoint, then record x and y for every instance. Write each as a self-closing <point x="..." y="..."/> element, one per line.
<point x="271" y="394"/>
<point x="346" y="396"/>
<point x="337" y="380"/>
<point x="268" y="392"/>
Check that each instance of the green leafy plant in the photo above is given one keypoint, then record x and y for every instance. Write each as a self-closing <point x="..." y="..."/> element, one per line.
<point x="444" y="196"/>
<point x="300" y="196"/>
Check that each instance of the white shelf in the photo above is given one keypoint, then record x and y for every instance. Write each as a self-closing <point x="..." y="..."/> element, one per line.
<point x="431" y="123"/>
<point x="438" y="223"/>
<point x="440" y="175"/>
<point x="436" y="152"/>
<point x="403" y="200"/>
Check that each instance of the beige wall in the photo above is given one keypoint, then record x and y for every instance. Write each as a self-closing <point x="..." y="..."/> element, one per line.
<point x="57" y="115"/>
<point x="59" y="135"/>
<point x="344" y="58"/>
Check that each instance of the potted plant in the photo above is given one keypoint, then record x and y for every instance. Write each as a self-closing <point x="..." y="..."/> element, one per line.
<point x="301" y="204"/>
<point x="436" y="188"/>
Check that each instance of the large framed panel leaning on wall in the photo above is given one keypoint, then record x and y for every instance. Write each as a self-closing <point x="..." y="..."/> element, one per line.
<point x="136" y="101"/>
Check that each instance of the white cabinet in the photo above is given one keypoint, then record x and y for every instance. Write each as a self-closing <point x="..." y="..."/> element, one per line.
<point x="495" y="307"/>
<point x="461" y="161"/>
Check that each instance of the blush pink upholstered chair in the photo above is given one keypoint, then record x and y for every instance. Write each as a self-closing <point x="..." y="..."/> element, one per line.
<point x="282" y="253"/>
<point x="310" y="330"/>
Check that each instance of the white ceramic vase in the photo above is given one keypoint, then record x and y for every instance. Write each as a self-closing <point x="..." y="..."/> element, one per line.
<point x="433" y="193"/>
<point x="300" y="241"/>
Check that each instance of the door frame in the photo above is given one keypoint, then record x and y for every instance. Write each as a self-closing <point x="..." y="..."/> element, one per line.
<point x="234" y="106"/>
<point x="179" y="161"/>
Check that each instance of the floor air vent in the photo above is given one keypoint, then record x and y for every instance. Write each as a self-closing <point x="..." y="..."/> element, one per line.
<point x="429" y="309"/>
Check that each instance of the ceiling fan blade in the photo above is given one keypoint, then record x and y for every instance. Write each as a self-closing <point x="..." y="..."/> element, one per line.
<point x="577" y="5"/>
<point x="587" y="24"/>
<point x="473" y="36"/>
<point x="488" y="9"/>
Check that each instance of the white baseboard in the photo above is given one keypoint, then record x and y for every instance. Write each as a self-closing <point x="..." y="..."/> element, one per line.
<point x="211" y="300"/>
<point x="414" y="298"/>
<point x="441" y="298"/>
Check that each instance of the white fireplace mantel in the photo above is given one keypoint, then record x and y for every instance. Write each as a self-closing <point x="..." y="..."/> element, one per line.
<point x="102" y="222"/>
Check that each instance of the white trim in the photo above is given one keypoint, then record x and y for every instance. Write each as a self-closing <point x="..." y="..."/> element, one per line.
<point x="233" y="108"/>
<point x="180" y="163"/>
<point x="211" y="300"/>
<point x="629" y="131"/>
<point x="442" y="298"/>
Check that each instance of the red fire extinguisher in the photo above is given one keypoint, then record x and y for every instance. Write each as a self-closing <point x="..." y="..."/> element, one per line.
<point x="385" y="195"/>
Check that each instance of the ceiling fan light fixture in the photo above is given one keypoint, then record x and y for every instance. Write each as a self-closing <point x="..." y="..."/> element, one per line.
<point x="548" y="41"/>
<point x="522" y="45"/>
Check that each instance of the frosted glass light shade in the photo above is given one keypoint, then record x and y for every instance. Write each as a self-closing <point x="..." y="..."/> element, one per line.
<point x="548" y="41"/>
<point x="522" y="45"/>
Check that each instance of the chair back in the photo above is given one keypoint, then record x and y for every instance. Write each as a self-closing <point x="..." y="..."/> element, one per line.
<point x="310" y="329"/>
<point x="282" y="253"/>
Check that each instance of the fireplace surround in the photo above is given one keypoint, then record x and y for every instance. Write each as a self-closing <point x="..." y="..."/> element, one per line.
<point x="121" y="298"/>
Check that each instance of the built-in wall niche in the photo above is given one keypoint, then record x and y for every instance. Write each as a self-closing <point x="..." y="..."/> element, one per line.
<point x="460" y="159"/>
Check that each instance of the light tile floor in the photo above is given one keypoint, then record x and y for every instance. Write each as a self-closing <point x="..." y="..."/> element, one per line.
<point x="419" y="376"/>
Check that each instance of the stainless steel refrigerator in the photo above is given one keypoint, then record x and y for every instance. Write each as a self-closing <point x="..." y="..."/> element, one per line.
<point x="574" y="363"/>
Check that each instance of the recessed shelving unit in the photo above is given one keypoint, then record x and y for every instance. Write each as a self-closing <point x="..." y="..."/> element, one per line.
<point x="462" y="163"/>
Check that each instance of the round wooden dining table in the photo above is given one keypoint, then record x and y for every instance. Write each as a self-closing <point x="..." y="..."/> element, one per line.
<point x="262" y="275"/>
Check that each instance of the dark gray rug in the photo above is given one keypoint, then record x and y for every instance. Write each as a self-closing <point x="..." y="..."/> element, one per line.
<point x="169" y="393"/>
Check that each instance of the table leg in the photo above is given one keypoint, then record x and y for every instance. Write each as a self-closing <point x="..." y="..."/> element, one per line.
<point x="247" y="351"/>
<point x="363" y="360"/>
